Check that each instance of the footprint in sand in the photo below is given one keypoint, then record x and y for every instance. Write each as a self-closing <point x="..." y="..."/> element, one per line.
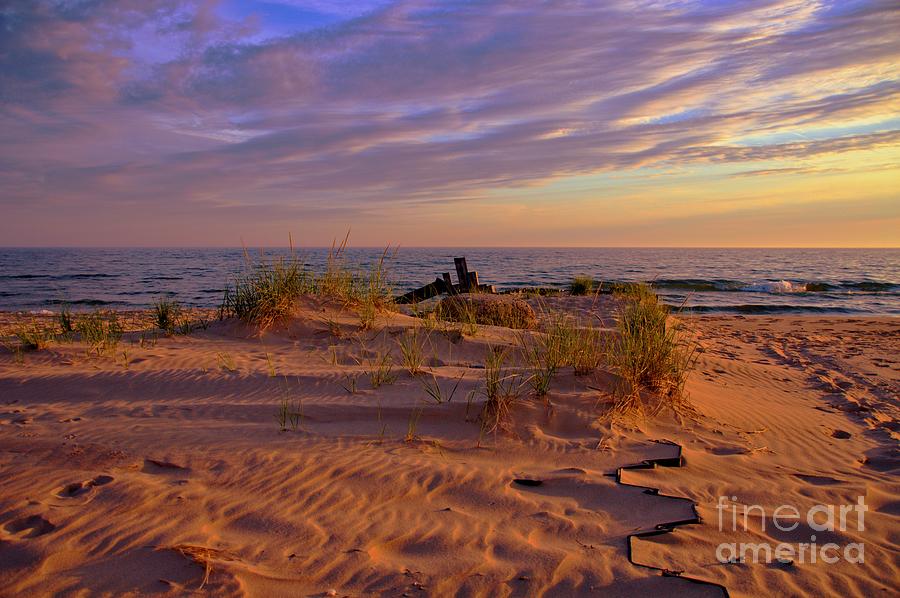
<point x="726" y="451"/>
<point x="29" y="527"/>
<point x="79" y="488"/>
<point x="160" y="466"/>
<point x="818" y="480"/>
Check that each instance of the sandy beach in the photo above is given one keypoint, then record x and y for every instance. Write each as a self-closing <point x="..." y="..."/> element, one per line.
<point x="163" y="470"/>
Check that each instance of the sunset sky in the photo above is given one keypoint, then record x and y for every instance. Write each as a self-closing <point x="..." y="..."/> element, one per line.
<point x="456" y="123"/>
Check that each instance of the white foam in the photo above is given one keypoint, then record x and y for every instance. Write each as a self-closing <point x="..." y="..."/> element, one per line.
<point x="782" y="286"/>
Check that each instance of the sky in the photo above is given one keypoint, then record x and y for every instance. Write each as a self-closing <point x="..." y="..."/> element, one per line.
<point x="450" y="123"/>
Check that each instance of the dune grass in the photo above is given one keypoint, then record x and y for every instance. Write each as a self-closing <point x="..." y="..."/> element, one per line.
<point x="267" y="292"/>
<point x="226" y="362"/>
<point x="502" y="388"/>
<point x="33" y="337"/>
<point x="380" y="370"/>
<point x="351" y="386"/>
<point x="412" y="350"/>
<point x="585" y="350"/>
<point x="101" y="332"/>
<point x="289" y="414"/>
<point x="581" y="285"/>
<point x="166" y="312"/>
<point x="436" y="393"/>
<point x="545" y="352"/>
<point x="649" y="352"/>
<point x="268" y="289"/>
<point x="412" y="423"/>
<point x="562" y="341"/>
<point x="66" y="322"/>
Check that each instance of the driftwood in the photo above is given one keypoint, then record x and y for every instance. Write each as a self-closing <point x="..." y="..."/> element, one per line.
<point x="468" y="283"/>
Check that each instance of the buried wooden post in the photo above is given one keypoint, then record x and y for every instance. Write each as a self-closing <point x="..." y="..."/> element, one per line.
<point x="448" y="282"/>
<point x="468" y="283"/>
<point x="462" y="273"/>
<point x="473" y="281"/>
<point x="427" y="292"/>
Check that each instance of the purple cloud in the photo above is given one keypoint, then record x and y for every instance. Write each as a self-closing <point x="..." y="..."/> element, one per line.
<point x="185" y="106"/>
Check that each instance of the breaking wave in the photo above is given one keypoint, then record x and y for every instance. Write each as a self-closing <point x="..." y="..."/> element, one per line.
<point x="696" y="285"/>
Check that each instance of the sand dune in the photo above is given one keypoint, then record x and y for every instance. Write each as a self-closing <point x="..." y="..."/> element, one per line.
<point x="171" y="476"/>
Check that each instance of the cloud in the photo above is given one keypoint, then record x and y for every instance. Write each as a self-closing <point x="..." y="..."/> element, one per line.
<point x="153" y="103"/>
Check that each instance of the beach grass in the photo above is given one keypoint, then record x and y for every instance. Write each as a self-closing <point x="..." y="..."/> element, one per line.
<point x="66" y="322"/>
<point x="434" y="390"/>
<point x="581" y="285"/>
<point x="166" y="312"/>
<point x="266" y="292"/>
<point x="542" y="354"/>
<point x="412" y="350"/>
<point x="381" y="370"/>
<point x="33" y="337"/>
<point x="585" y="350"/>
<point x="288" y="414"/>
<point x="226" y="361"/>
<point x="649" y="352"/>
<point x="101" y="332"/>
<point x="502" y="388"/>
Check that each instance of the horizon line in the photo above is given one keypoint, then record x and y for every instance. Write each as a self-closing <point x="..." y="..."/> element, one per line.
<point x="400" y="246"/>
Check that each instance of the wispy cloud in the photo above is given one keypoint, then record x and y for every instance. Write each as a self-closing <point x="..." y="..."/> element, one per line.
<point x="147" y="104"/>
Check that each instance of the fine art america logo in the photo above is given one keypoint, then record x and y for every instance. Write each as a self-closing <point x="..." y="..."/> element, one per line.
<point x="788" y="518"/>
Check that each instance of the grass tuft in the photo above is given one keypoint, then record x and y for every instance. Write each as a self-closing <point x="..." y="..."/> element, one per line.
<point x="381" y="370"/>
<point x="649" y="352"/>
<point x="166" y="313"/>
<point x="436" y="393"/>
<point x="585" y="349"/>
<point x="502" y="388"/>
<point x="33" y="337"/>
<point x="543" y="355"/>
<point x="66" y="321"/>
<point x="101" y="333"/>
<point x="581" y="285"/>
<point x="412" y="349"/>
<point x="226" y="362"/>
<point x="266" y="293"/>
<point x="413" y="423"/>
<point x="289" y="414"/>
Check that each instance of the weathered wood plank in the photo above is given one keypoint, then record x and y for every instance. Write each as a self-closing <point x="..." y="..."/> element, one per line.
<point x="427" y="292"/>
<point x="462" y="273"/>
<point x="448" y="283"/>
<point x="468" y="283"/>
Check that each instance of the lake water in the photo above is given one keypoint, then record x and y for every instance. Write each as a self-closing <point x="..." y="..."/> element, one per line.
<point x="851" y="281"/>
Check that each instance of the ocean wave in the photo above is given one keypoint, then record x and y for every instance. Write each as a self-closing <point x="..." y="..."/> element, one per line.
<point x="872" y="287"/>
<point x="85" y="276"/>
<point x="774" y="287"/>
<point x="58" y="277"/>
<point x="77" y="302"/>
<point x="759" y="308"/>
<point x="698" y="285"/>
<point x="778" y="287"/>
